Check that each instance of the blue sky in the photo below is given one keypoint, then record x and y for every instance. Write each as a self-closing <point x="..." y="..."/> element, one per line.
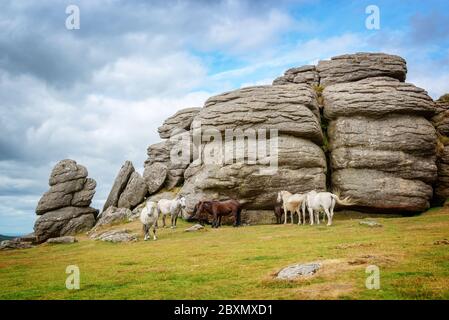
<point x="98" y="94"/>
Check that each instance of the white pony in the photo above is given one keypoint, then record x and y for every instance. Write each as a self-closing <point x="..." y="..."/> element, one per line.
<point x="317" y="201"/>
<point x="149" y="217"/>
<point x="292" y="203"/>
<point x="172" y="208"/>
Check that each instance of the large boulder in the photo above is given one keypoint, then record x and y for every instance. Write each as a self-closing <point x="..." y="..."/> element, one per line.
<point x="246" y="175"/>
<point x="134" y="193"/>
<point x="382" y="145"/>
<point x="353" y="67"/>
<point x="64" y="208"/>
<point x="64" y="221"/>
<point x="291" y="109"/>
<point x="113" y="215"/>
<point x="167" y="161"/>
<point x="119" y="185"/>
<point x="181" y="120"/>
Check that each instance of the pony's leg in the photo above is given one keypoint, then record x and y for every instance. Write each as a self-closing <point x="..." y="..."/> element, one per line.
<point x="163" y="220"/>
<point x="311" y="218"/>
<point x="146" y="231"/>
<point x="172" y="221"/>
<point x="154" y="232"/>
<point x="176" y="220"/>
<point x="329" y="218"/>
<point x="219" y="221"/>
<point x="285" y="214"/>
<point x="311" y="213"/>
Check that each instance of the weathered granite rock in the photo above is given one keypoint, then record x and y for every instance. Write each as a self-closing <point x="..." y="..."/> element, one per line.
<point x="120" y="235"/>
<point x="298" y="270"/>
<point x="376" y="97"/>
<point x="442" y="184"/>
<point x="441" y="118"/>
<point x="382" y="147"/>
<point x="64" y="221"/>
<point x="291" y="109"/>
<point x="14" y="244"/>
<point x="60" y="195"/>
<point x="353" y="67"/>
<point x="180" y="120"/>
<point x="154" y="176"/>
<point x="134" y="193"/>
<point x="175" y="155"/>
<point x="62" y="240"/>
<point x="304" y="74"/>
<point x="113" y="215"/>
<point x="119" y="185"/>
<point x="64" y="208"/>
<point x="301" y="167"/>
<point x="67" y="170"/>
<point x="83" y="198"/>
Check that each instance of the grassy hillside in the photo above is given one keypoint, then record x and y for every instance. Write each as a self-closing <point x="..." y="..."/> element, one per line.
<point x="239" y="263"/>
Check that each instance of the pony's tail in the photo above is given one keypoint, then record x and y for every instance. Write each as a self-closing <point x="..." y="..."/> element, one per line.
<point x="343" y="202"/>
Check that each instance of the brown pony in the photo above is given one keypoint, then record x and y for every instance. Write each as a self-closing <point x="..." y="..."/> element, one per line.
<point x="218" y="209"/>
<point x="278" y="212"/>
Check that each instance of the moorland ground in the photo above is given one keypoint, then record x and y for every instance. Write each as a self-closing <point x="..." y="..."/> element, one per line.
<point x="240" y="263"/>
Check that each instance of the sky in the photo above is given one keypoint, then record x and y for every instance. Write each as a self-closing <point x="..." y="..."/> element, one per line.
<point x="98" y="93"/>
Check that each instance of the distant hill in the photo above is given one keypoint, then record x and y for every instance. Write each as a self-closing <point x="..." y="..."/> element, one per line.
<point x="2" y="237"/>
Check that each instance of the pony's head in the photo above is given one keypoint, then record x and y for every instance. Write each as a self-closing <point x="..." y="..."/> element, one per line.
<point x="182" y="201"/>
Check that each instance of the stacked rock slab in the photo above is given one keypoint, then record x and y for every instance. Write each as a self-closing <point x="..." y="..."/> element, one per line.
<point x="65" y="208"/>
<point x="382" y="145"/>
<point x="160" y="171"/>
<point x="305" y="74"/>
<point x="129" y="189"/>
<point x="441" y="123"/>
<point x="290" y="109"/>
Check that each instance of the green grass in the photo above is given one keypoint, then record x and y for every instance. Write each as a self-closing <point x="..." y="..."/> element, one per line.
<point x="240" y="263"/>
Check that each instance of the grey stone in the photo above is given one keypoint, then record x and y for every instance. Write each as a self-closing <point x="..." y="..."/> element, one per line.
<point x="193" y="228"/>
<point x="83" y="198"/>
<point x="291" y="109"/>
<point x="155" y="175"/>
<point x="62" y="240"/>
<point x="370" y="223"/>
<point x="60" y="195"/>
<point x="442" y="184"/>
<point x="64" y="221"/>
<point x="181" y="120"/>
<point x="119" y="185"/>
<point x="353" y="67"/>
<point x="120" y="235"/>
<point x="298" y="270"/>
<point x="113" y="215"/>
<point x="304" y="74"/>
<point x="14" y="244"/>
<point x="66" y="170"/>
<point x="376" y="97"/>
<point x="301" y="168"/>
<point x="441" y="118"/>
<point x="134" y="193"/>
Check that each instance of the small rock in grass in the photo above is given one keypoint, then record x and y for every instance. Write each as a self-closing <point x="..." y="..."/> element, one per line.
<point x="120" y="235"/>
<point x="62" y="240"/>
<point x="370" y="223"/>
<point x="444" y="241"/>
<point x="195" y="227"/>
<point x="298" y="270"/>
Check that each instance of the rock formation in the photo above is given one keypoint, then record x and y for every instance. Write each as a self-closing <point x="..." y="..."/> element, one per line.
<point x="160" y="171"/>
<point x="64" y="208"/>
<point x="441" y="123"/>
<point x="382" y="147"/>
<point x="129" y="189"/>
<point x="290" y="109"/>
